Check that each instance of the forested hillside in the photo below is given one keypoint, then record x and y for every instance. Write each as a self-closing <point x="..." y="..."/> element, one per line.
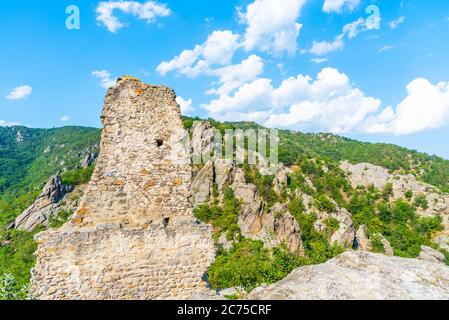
<point x="430" y="169"/>
<point x="28" y="157"/>
<point x="295" y="146"/>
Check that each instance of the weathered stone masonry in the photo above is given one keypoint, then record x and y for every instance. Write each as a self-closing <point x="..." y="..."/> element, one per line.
<point x="134" y="235"/>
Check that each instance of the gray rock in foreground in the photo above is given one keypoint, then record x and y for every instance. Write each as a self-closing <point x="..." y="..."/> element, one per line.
<point x="362" y="276"/>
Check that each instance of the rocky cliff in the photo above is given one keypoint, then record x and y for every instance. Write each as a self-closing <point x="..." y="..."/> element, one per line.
<point x="134" y="235"/>
<point x="273" y="225"/>
<point x="44" y="208"/>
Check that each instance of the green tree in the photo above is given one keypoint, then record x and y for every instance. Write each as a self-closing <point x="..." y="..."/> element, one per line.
<point x="10" y="289"/>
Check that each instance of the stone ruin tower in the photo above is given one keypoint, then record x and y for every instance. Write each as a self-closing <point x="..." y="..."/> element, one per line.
<point x="134" y="235"/>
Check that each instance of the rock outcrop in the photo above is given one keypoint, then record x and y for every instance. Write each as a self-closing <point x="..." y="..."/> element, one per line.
<point x="134" y="235"/>
<point x="345" y="234"/>
<point x="19" y="137"/>
<point x="45" y="206"/>
<point x="281" y="179"/>
<point x="366" y="174"/>
<point x="88" y="159"/>
<point x="363" y="242"/>
<point x="361" y="239"/>
<point x="431" y="255"/>
<point x="356" y="275"/>
<point x="388" y="249"/>
<point x="442" y="239"/>
<point x="273" y="226"/>
<point x="202" y="185"/>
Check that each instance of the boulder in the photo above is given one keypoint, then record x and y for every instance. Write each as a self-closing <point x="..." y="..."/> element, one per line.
<point x="387" y="246"/>
<point x="222" y="171"/>
<point x="345" y="234"/>
<point x="431" y="255"/>
<point x="202" y="184"/>
<point x="203" y="142"/>
<point x="281" y="179"/>
<point x="357" y="275"/>
<point x="274" y="227"/>
<point x="361" y="239"/>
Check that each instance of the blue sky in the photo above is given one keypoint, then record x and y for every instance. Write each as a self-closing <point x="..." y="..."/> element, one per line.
<point x="308" y="65"/>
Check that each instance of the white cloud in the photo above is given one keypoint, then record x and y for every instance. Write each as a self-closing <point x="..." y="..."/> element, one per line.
<point x="64" y="118"/>
<point x="327" y="103"/>
<point x="185" y="105"/>
<point x="183" y="63"/>
<point x="350" y="30"/>
<point x="425" y="107"/>
<point x="394" y="24"/>
<point x="20" y="93"/>
<point x="387" y="47"/>
<point x="330" y="102"/>
<point x="318" y="60"/>
<point x="233" y="76"/>
<point x="288" y="90"/>
<point x="218" y="49"/>
<point x="338" y="5"/>
<point x="272" y="25"/>
<point x="105" y="78"/>
<point x="249" y="97"/>
<point x="147" y="11"/>
<point x="4" y="123"/>
<point x="321" y="48"/>
<point x="354" y="28"/>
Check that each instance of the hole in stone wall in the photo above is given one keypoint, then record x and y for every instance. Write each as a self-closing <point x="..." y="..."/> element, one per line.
<point x="159" y="142"/>
<point x="166" y="222"/>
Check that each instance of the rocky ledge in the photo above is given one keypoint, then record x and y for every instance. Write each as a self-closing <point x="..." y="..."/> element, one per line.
<point x="357" y="275"/>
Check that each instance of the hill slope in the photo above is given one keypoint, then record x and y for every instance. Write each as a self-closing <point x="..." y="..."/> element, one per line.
<point x="28" y="157"/>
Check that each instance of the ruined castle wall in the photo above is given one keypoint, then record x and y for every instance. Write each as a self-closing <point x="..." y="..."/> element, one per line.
<point x="134" y="235"/>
